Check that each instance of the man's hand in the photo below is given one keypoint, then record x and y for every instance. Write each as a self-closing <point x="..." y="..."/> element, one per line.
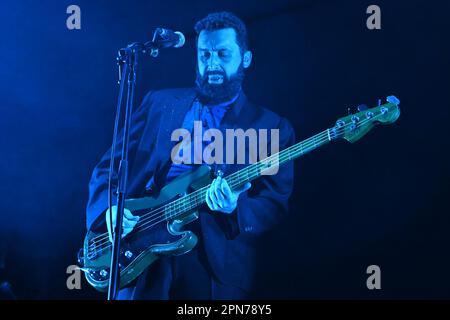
<point x="219" y="196"/>
<point x="129" y="221"/>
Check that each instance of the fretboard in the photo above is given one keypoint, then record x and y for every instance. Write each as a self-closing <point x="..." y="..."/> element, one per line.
<point x="249" y="173"/>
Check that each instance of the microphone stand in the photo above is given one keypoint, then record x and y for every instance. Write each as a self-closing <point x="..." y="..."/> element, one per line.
<point x="127" y="59"/>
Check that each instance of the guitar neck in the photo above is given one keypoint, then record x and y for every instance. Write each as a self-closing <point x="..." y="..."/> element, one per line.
<point x="262" y="167"/>
<point x="249" y="173"/>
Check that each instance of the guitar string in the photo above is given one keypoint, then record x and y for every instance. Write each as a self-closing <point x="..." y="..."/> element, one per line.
<point x="254" y="168"/>
<point x="181" y="202"/>
<point x="186" y="204"/>
<point x="251" y="169"/>
<point x="314" y="140"/>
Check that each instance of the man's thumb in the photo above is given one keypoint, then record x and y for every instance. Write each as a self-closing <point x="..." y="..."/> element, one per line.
<point x="244" y="188"/>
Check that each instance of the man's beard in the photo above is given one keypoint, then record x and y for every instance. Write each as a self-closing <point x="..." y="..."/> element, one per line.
<point x="218" y="93"/>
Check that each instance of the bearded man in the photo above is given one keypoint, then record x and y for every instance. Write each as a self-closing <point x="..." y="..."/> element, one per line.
<point x="222" y="265"/>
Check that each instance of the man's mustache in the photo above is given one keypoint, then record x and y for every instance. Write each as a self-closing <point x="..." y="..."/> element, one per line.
<point x="208" y="73"/>
<point x="214" y="73"/>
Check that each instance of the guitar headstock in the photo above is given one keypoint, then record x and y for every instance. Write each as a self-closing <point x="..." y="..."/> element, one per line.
<point x="353" y="127"/>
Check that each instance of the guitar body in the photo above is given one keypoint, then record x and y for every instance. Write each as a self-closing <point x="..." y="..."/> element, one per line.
<point x="138" y="251"/>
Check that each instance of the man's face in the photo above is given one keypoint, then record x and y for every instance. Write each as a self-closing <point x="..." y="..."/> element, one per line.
<point x="220" y="69"/>
<point x="218" y="55"/>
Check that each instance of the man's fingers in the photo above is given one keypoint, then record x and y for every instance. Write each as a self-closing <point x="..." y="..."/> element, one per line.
<point x="127" y="214"/>
<point x="219" y="195"/>
<point x="212" y="192"/>
<point x="247" y="186"/>
<point x="226" y="189"/>
<point x="218" y="192"/>
<point x="128" y="223"/>
<point x="126" y="231"/>
<point x="210" y="201"/>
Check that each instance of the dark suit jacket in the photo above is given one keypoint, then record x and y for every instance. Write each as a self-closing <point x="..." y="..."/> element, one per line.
<point x="230" y="240"/>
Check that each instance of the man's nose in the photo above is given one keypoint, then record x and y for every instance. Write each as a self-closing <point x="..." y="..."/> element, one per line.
<point x="214" y="62"/>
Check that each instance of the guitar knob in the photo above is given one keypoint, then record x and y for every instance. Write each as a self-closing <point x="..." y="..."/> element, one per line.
<point x="128" y="254"/>
<point x="103" y="273"/>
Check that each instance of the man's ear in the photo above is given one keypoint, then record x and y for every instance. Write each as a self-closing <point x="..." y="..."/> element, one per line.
<point x="247" y="59"/>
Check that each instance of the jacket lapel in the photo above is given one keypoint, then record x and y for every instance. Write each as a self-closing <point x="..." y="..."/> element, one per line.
<point x="241" y="116"/>
<point x="174" y="108"/>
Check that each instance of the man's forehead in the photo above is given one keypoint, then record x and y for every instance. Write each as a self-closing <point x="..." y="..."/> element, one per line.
<point x="217" y="38"/>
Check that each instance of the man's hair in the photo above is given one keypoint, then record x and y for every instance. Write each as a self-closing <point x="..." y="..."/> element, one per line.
<point x="222" y="20"/>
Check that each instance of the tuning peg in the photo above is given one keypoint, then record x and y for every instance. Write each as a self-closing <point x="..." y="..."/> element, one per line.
<point x="362" y="107"/>
<point x="393" y="99"/>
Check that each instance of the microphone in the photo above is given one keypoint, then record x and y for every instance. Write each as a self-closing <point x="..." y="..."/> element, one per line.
<point x="162" y="38"/>
<point x="166" y="38"/>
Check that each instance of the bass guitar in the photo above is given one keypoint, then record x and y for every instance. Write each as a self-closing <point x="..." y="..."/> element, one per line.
<point x="160" y="230"/>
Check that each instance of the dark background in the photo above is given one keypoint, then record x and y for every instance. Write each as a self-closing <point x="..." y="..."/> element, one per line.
<point x="382" y="201"/>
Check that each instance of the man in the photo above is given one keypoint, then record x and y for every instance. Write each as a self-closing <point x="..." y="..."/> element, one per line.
<point x="222" y="265"/>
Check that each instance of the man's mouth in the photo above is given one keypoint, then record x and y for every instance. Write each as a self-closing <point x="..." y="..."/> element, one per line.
<point x="215" y="78"/>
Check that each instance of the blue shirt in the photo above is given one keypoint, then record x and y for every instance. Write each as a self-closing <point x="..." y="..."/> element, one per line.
<point x="211" y="117"/>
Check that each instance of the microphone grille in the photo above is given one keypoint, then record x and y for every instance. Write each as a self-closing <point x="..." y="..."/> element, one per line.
<point x="181" y="40"/>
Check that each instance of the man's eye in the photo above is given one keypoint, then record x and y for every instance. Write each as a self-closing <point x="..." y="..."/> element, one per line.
<point x="224" y="54"/>
<point x="206" y="55"/>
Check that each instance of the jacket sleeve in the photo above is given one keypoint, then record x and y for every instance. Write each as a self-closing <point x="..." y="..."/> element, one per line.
<point x="97" y="203"/>
<point x="266" y="202"/>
